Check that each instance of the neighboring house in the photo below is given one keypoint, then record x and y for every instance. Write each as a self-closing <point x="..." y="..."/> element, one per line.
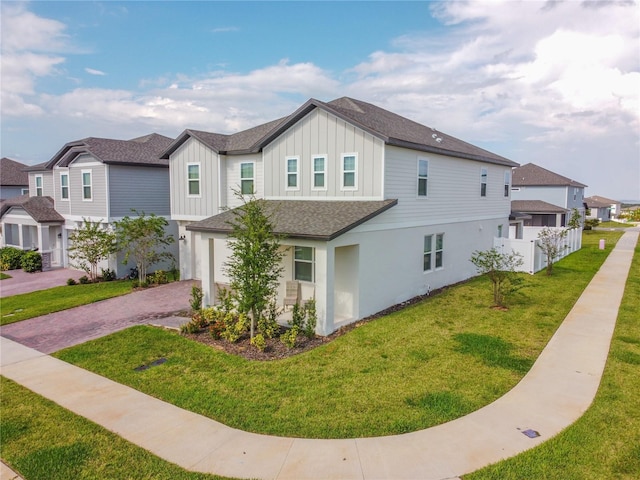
<point x="373" y="207"/>
<point x="97" y="179"/>
<point x="14" y="180"/>
<point x="602" y="208"/>
<point x="534" y="183"/>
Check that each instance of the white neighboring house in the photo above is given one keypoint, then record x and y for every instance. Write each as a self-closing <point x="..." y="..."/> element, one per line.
<point x="99" y="179"/>
<point x="375" y="208"/>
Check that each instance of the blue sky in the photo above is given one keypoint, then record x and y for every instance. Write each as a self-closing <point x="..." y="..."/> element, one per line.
<point x="553" y="83"/>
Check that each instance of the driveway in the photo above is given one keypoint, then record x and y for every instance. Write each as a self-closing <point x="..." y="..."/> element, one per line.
<point x="23" y="282"/>
<point x="55" y="331"/>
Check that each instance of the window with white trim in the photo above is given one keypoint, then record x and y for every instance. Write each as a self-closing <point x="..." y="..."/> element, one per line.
<point x="193" y="179"/>
<point x="439" y="250"/>
<point x="87" y="193"/>
<point x="39" y="189"/>
<point x="64" y="186"/>
<point x="319" y="172"/>
<point x="483" y="182"/>
<point x="247" y="178"/>
<point x="507" y="182"/>
<point x="303" y="263"/>
<point x="292" y="173"/>
<point x="428" y="253"/>
<point x="423" y="177"/>
<point x="349" y="169"/>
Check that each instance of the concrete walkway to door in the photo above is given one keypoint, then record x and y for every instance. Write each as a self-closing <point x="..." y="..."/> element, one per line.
<point x="557" y="390"/>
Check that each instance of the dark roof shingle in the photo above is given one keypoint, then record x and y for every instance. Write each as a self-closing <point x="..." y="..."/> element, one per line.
<point x="533" y="175"/>
<point x="316" y="220"/>
<point x="12" y="173"/>
<point x="535" y="206"/>
<point x="39" y="208"/>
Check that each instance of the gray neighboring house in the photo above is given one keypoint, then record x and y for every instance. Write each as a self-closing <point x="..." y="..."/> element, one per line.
<point x="602" y="208"/>
<point x="97" y="179"/>
<point x="544" y="189"/>
<point x="14" y="180"/>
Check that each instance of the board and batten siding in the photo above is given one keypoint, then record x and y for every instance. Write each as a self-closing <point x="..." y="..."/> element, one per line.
<point x="183" y="205"/>
<point x="145" y="189"/>
<point x="453" y="190"/>
<point x="321" y="133"/>
<point x="96" y="208"/>
<point x="231" y="168"/>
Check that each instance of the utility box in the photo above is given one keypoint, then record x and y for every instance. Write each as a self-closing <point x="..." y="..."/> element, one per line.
<point x="601" y="244"/>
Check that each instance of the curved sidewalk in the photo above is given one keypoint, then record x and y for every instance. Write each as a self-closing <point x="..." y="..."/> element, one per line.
<point x="559" y="388"/>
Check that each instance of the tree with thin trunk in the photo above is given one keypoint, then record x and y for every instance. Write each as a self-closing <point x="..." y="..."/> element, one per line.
<point x="89" y="245"/>
<point x="500" y="268"/>
<point x="144" y="239"/>
<point x="551" y="242"/>
<point x="255" y="264"/>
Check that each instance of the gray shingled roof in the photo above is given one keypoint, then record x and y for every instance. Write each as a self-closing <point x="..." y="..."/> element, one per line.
<point x="533" y="175"/>
<point x="596" y="202"/>
<point x="605" y="200"/>
<point x="316" y="220"/>
<point x="141" y="151"/>
<point x="12" y="173"/>
<point x="393" y="129"/>
<point x="535" y="206"/>
<point x="39" y="208"/>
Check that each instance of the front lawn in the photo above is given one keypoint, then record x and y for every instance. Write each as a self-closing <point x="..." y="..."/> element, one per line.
<point x="4" y="275"/>
<point x="427" y="364"/>
<point x="29" y="305"/>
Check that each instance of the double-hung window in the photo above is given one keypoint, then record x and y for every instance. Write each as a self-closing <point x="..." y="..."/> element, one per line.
<point x="428" y="253"/>
<point x="483" y="182"/>
<point x="349" y="171"/>
<point x="433" y="253"/>
<point x="439" y="250"/>
<point x="292" y="173"/>
<point x="319" y="171"/>
<point x="246" y="178"/>
<point x="87" y="193"/>
<point x="507" y="182"/>
<point x="193" y="179"/>
<point x="39" y="187"/>
<point x="303" y="262"/>
<point x="423" y="176"/>
<point x="64" y="186"/>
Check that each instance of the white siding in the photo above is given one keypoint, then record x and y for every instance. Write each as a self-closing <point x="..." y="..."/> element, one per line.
<point x="184" y="206"/>
<point x="553" y="195"/>
<point x="320" y="133"/>
<point x="62" y="206"/>
<point x="231" y="169"/>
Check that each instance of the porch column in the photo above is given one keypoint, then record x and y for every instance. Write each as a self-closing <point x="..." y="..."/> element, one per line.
<point x="206" y="252"/>
<point x="43" y="237"/>
<point x="325" y="283"/>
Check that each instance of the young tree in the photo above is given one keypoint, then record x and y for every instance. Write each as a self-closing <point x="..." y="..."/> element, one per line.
<point x="143" y="238"/>
<point x="500" y="268"/>
<point x="89" y="245"/>
<point x="552" y="244"/>
<point x="255" y="264"/>
<point x="576" y="219"/>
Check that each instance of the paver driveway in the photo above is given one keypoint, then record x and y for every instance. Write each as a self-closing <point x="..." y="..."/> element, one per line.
<point x="52" y="332"/>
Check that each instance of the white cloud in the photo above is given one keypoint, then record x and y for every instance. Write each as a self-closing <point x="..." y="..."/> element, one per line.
<point x="93" y="71"/>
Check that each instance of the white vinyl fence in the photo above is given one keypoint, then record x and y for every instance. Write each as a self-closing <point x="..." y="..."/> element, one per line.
<point x="533" y="257"/>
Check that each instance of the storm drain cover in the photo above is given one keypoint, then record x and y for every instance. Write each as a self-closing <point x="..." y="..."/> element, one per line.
<point x="531" y="433"/>
<point x="155" y="363"/>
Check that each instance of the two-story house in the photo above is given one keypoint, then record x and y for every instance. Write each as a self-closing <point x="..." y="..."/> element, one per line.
<point x="547" y="198"/>
<point x="374" y="208"/>
<point x="14" y="180"/>
<point x="97" y="179"/>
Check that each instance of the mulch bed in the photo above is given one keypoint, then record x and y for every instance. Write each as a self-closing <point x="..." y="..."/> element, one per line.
<point x="276" y="350"/>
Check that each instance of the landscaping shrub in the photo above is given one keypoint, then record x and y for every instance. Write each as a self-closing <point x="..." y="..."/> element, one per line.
<point x="31" y="262"/>
<point x="71" y="281"/>
<point x="235" y="330"/>
<point x="591" y="223"/>
<point x="289" y="337"/>
<point x="311" y="315"/>
<point x="11" y="258"/>
<point x="159" y="277"/>
<point x="196" y="298"/>
<point x="84" y="280"/>
<point x="258" y="342"/>
<point x="108" y="275"/>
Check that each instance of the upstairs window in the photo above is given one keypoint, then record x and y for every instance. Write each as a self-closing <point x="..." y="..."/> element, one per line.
<point x="349" y="172"/>
<point x="39" y="190"/>
<point x="423" y="175"/>
<point x="303" y="263"/>
<point x="507" y="182"/>
<point x="292" y="173"/>
<point x="246" y="178"/>
<point x="64" y="186"/>
<point x="483" y="182"/>
<point x="87" y="193"/>
<point x="319" y="170"/>
<point x="193" y="179"/>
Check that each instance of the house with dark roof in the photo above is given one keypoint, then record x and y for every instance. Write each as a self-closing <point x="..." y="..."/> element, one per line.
<point x="373" y="208"/>
<point x="549" y="198"/>
<point x="602" y="208"/>
<point x="97" y="179"/>
<point x="14" y="180"/>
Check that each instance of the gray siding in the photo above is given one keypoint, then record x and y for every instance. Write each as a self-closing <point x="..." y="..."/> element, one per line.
<point x="11" y="191"/>
<point x="142" y="188"/>
<point x="321" y="133"/>
<point x="62" y="206"/>
<point x="206" y="204"/>
<point x="47" y="183"/>
<point x="95" y="208"/>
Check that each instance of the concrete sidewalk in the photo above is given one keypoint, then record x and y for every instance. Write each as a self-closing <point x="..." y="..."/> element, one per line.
<point x="559" y="388"/>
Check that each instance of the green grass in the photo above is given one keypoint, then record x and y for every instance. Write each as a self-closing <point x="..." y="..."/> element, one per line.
<point x="28" y="305"/>
<point x="430" y="363"/>
<point x="42" y="440"/>
<point x="605" y="441"/>
<point x="4" y="275"/>
<point x="615" y="225"/>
